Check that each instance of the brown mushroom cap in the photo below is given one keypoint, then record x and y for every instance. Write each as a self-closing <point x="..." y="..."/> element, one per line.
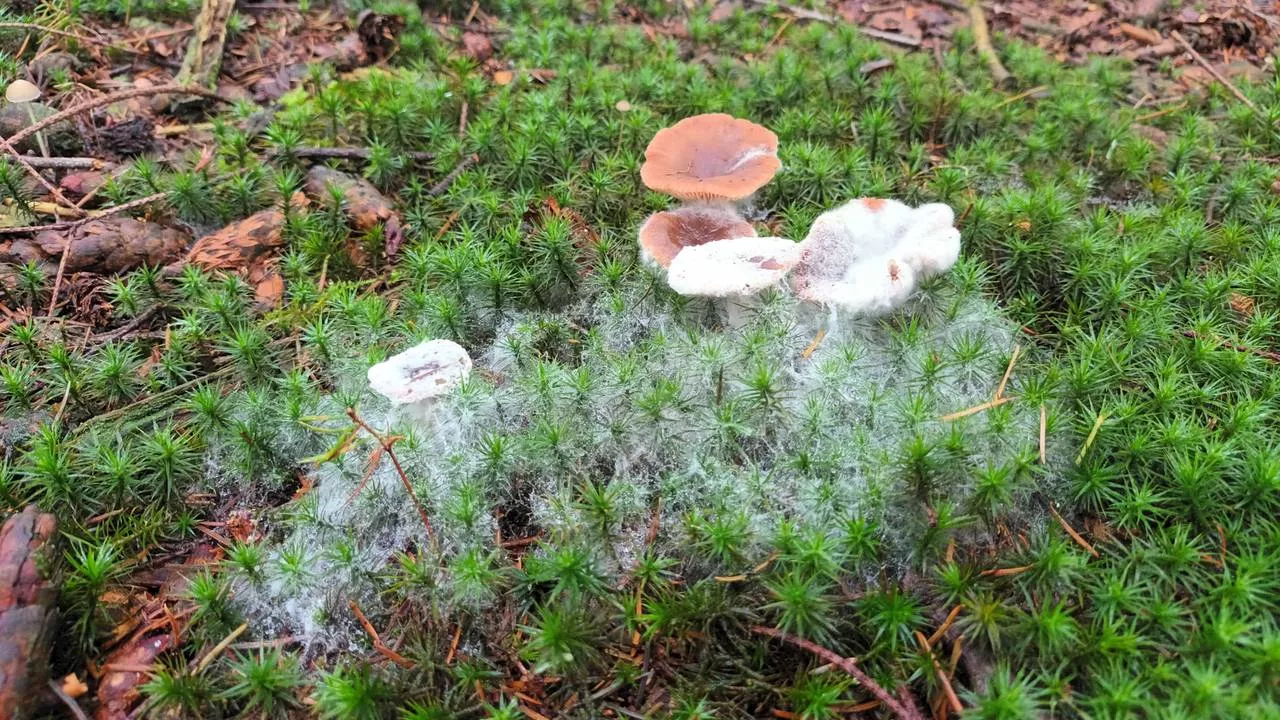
<point x="665" y="234"/>
<point x="713" y="158"/>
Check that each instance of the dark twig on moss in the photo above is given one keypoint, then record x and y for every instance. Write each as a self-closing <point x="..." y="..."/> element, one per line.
<point x="1214" y="72"/>
<point x="387" y="444"/>
<point x="905" y="708"/>
<point x="108" y="99"/>
<point x="892" y="38"/>
<point x="97" y="215"/>
<point x="441" y="187"/>
<point x="982" y="40"/>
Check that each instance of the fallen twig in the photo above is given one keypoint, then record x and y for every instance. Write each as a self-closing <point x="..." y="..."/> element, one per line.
<point x="982" y="41"/>
<point x="108" y="99"/>
<point x="1214" y="72"/>
<point x="945" y="681"/>
<point x="64" y="163"/>
<point x="91" y="215"/>
<point x="30" y="170"/>
<point x="404" y="479"/>
<point x="442" y="186"/>
<point x="807" y="14"/>
<point x="906" y="710"/>
<point x="1044" y="456"/>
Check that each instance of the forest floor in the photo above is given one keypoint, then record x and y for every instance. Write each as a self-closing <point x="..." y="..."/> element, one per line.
<point x="183" y="381"/>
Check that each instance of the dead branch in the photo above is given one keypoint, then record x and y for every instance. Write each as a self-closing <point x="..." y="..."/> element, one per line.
<point x="982" y="40"/>
<point x="1214" y="72"/>
<point x="441" y="187"/>
<point x="108" y="99"/>
<point x="347" y="153"/>
<point x="892" y="38"/>
<point x="64" y="163"/>
<point x="905" y="709"/>
<point x="404" y="479"/>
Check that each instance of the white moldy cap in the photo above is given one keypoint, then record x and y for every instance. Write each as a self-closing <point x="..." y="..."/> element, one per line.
<point x="423" y="372"/>
<point x="734" y="267"/>
<point x="870" y="254"/>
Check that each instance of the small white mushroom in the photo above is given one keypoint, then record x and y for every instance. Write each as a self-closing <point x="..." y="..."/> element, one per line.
<point x="23" y="92"/>
<point x="415" y="378"/>
<point x="869" y="255"/>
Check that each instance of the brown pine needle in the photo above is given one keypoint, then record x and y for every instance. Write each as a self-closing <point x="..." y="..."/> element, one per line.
<point x="813" y="346"/>
<point x="453" y="645"/>
<point x="217" y="649"/>
<point x="1006" y="572"/>
<point x="1013" y="360"/>
<point x="1093" y="434"/>
<point x="378" y="645"/>
<point x="1072" y="531"/>
<point x="977" y="409"/>
<point x="946" y="625"/>
<point x="943" y="680"/>
<point x="1214" y="72"/>
<point x="404" y="479"/>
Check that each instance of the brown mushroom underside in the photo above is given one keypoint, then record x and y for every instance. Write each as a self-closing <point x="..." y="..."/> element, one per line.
<point x="713" y="157"/>
<point x="665" y="234"/>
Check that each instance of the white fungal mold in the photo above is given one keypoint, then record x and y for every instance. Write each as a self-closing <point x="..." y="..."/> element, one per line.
<point x="415" y="378"/>
<point x="870" y="254"/>
<point x="736" y="267"/>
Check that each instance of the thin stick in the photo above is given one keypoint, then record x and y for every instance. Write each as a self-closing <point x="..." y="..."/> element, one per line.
<point x="1013" y="360"/>
<point x="950" y="692"/>
<point x="807" y="14"/>
<point x="217" y="649"/>
<point x="108" y="99"/>
<point x="1021" y="96"/>
<point x="1072" y="531"/>
<point x="453" y="645"/>
<point x="442" y="186"/>
<point x="1214" y="72"/>
<point x="905" y="711"/>
<point x="404" y="479"/>
<point x="64" y="163"/>
<point x="93" y="215"/>
<point x="982" y="41"/>
<point x="977" y="409"/>
<point x="1044" y="458"/>
<point x="30" y="170"/>
<point x="1093" y="434"/>
<point x="70" y="702"/>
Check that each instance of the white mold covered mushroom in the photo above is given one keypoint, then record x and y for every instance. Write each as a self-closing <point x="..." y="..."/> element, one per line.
<point x="413" y="380"/>
<point x="869" y="255"/>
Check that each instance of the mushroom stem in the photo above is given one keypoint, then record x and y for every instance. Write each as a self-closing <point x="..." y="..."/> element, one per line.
<point x="40" y="141"/>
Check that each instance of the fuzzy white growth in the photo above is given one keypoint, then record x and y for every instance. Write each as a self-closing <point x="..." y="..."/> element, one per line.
<point x="419" y="375"/>
<point x="734" y="267"/>
<point x="869" y="255"/>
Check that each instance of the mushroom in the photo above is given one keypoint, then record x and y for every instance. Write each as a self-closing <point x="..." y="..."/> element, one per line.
<point x="23" y="92"/>
<point x="666" y="234"/>
<point x="713" y="158"/>
<point x="737" y="267"/>
<point x="870" y="254"/>
<point x="415" y="378"/>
